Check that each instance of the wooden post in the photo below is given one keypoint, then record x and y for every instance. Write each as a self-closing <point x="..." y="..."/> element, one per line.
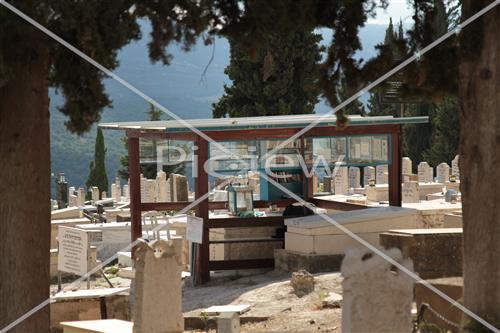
<point x="135" y="187"/>
<point x="201" y="210"/>
<point x="395" y="170"/>
<point x="307" y="182"/>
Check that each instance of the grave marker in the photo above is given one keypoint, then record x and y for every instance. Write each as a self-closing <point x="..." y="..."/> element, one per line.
<point x="354" y="177"/>
<point x="410" y="192"/>
<point x="455" y="168"/>
<point x="381" y="176"/>
<point x="443" y="173"/>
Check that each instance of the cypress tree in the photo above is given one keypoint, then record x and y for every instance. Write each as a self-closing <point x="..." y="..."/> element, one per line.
<point x="281" y="79"/>
<point x="97" y="168"/>
<point x="445" y="133"/>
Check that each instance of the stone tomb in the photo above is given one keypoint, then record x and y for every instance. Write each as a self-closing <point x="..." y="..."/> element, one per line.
<point x="435" y="253"/>
<point x="314" y="235"/>
<point x="376" y="296"/>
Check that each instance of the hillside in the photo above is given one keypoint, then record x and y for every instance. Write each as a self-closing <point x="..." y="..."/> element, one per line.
<point x="179" y="87"/>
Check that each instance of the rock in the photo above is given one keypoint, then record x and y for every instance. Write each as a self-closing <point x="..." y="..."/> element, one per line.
<point x="302" y="282"/>
<point x="332" y="301"/>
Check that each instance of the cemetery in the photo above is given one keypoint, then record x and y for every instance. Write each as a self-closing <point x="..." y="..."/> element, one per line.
<point x="248" y="233"/>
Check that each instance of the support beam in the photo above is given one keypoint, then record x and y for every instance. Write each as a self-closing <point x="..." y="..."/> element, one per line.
<point x="201" y="210"/>
<point x="395" y="196"/>
<point x="134" y="170"/>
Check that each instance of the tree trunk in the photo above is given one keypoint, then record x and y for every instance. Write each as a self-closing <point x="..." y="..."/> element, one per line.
<point x="24" y="182"/>
<point x="480" y="169"/>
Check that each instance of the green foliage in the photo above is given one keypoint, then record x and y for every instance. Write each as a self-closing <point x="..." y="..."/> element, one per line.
<point x="417" y="138"/>
<point x="445" y="133"/>
<point x="97" y="168"/>
<point x="282" y="80"/>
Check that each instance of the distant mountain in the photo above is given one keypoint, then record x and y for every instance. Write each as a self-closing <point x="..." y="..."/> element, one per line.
<point x="179" y="87"/>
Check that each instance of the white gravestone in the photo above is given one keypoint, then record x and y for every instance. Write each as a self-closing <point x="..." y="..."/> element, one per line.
<point x="368" y="174"/>
<point x="425" y="173"/>
<point x="72" y="200"/>
<point x="406" y="168"/>
<point x="443" y="172"/>
<point x="150" y="190"/>
<point x="410" y="192"/>
<point x="80" y="197"/>
<point x="95" y="193"/>
<point x="341" y="181"/>
<point x="454" y="167"/>
<point x="381" y="176"/>
<point x="73" y="250"/>
<point x="161" y="187"/>
<point x="126" y="193"/>
<point x="376" y="297"/>
<point x="158" y="289"/>
<point x="354" y="177"/>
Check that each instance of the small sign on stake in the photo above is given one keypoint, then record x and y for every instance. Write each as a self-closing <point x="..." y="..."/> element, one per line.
<point x="194" y="229"/>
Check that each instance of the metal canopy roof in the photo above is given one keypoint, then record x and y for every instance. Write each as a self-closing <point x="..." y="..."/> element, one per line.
<point x="289" y="121"/>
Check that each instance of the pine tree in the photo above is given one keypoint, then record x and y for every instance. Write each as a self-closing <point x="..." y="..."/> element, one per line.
<point x="283" y="79"/>
<point x="445" y="133"/>
<point x="97" y="168"/>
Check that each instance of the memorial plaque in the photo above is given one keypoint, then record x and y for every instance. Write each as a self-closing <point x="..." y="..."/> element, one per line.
<point x="73" y="250"/>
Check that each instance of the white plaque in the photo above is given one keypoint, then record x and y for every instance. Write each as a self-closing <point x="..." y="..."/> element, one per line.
<point x="194" y="229"/>
<point x="73" y="250"/>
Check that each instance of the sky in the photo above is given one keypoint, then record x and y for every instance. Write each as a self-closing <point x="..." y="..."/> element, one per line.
<point x="397" y="9"/>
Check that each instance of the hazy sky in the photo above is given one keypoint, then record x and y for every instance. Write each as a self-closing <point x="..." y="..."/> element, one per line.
<point x="397" y="9"/>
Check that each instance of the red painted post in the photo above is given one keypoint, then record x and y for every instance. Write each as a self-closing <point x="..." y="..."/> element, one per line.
<point x="201" y="210"/>
<point x="395" y="196"/>
<point x="135" y="187"/>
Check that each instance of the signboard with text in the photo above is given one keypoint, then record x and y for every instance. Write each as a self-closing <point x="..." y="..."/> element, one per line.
<point x="73" y="250"/>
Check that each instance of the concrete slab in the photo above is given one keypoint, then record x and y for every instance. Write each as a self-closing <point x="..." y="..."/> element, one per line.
<point x="98" y="326"/>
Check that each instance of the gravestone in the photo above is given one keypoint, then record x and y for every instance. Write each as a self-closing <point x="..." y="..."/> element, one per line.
<point x="80" y="197"/>
<point x="126" y="192"/>
<point x="341" y="181"/>
<point x="179" y="187"/>
<point x="368" y="174"/>
<point x="158" y="289"/>
<point x="376" y="296"/>
<point x="162" y="192"/>
<point x="381" y="174"/>
<point x="150" y="190"/>
<point x="72" y="200"/>
<point x="327" y="184"/>
<point x="354" y="177"/>
<point x="143" y="188"/>
<point x="410" y="192"/>
<point x="406" y="168"/>
<point x="425" y="173"/>
<point x="95" y="193"/>
<point x="104" y="195"/>
<point x="443" y="172"/>
<point x="454" y="167"/>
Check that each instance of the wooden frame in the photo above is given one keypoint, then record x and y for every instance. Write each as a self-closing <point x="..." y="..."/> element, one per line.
<point x="204" y="265"/>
